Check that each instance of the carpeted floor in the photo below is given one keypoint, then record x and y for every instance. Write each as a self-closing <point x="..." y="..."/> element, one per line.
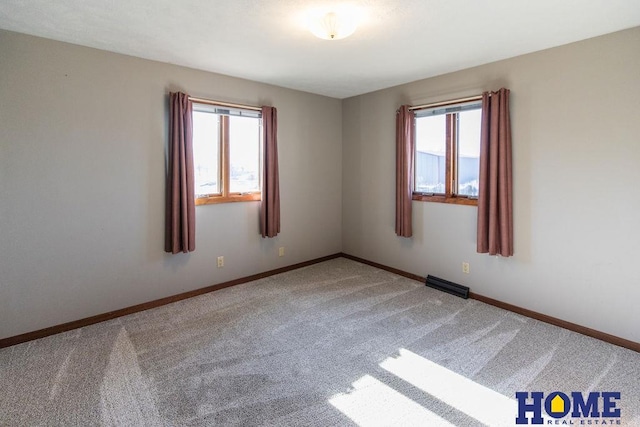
<point x="336" y="343"/>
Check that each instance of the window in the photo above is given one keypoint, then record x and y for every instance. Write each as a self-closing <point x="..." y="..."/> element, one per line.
<point x="227" y="145"/>
<point x="447" y="153"/>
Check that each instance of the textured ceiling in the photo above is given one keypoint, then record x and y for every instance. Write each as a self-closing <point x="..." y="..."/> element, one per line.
<point x="265" y="40"/>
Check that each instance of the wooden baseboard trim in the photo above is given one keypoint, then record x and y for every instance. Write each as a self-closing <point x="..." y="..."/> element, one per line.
<point x="611" y="339"/>
<point x="384" y="267"/>
<point x="603" y="336"/>
<point x="41" y="333"/>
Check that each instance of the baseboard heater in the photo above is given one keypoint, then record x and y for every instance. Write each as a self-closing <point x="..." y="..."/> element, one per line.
<point x="448" y="287"/>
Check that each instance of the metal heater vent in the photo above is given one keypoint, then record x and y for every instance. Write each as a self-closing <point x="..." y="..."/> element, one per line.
<point x="448" y="287"/>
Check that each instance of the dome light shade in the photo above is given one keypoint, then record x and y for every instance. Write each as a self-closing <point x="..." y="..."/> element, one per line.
<point x="333" y="25"/>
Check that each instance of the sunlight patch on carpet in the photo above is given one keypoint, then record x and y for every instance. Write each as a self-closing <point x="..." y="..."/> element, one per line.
<point x="477" y="401"/>
<point x="372" y="402"/>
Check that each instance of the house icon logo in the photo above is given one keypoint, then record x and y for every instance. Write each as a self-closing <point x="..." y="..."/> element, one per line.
<point x="600" y="405"/>
<point x="557" y="405"/>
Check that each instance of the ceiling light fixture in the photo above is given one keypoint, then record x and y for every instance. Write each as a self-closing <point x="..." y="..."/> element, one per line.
<point x="333" y="25"/>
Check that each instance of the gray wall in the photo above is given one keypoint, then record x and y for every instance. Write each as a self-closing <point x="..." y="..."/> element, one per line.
<point x="82" y="166"/>
<point x="576" y="133"/>
<point x="82" y="153"/>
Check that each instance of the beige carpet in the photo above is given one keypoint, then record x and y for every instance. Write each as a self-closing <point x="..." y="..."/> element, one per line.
<point x="337" y="343"/>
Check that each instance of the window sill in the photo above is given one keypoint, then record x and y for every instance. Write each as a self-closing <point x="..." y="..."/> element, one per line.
<point x="210" y="200"/>
<point x="440" y="198"/>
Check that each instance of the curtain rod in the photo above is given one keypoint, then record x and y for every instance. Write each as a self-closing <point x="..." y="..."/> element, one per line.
<point x="444" y="103"/>
<point x="224" y="104"/>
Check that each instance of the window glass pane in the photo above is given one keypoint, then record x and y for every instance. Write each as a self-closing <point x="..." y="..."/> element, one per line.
<point x="469" y="152"/>
<point x="244" y="154"/>
<point x="430" y="157"/>
<point x="206" y="152"/>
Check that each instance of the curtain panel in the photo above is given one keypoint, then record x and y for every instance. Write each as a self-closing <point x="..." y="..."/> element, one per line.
<point x="405" y="145"/>
<point x="180" y="228"/>
<point x="495" y="204"/>
<point x="270" y="207"/>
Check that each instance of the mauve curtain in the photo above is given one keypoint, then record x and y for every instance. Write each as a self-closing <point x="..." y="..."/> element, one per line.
<point x="270" y="208"/>
<point x="495" y="205"/>
<point x="404" y="170"/>
<point x="180" y="233"/>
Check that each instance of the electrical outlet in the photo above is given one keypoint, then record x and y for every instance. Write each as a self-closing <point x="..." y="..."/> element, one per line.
<point x="465" y="267"/>
<point x="220" y="261"/>
<point x="281" y="251"/>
